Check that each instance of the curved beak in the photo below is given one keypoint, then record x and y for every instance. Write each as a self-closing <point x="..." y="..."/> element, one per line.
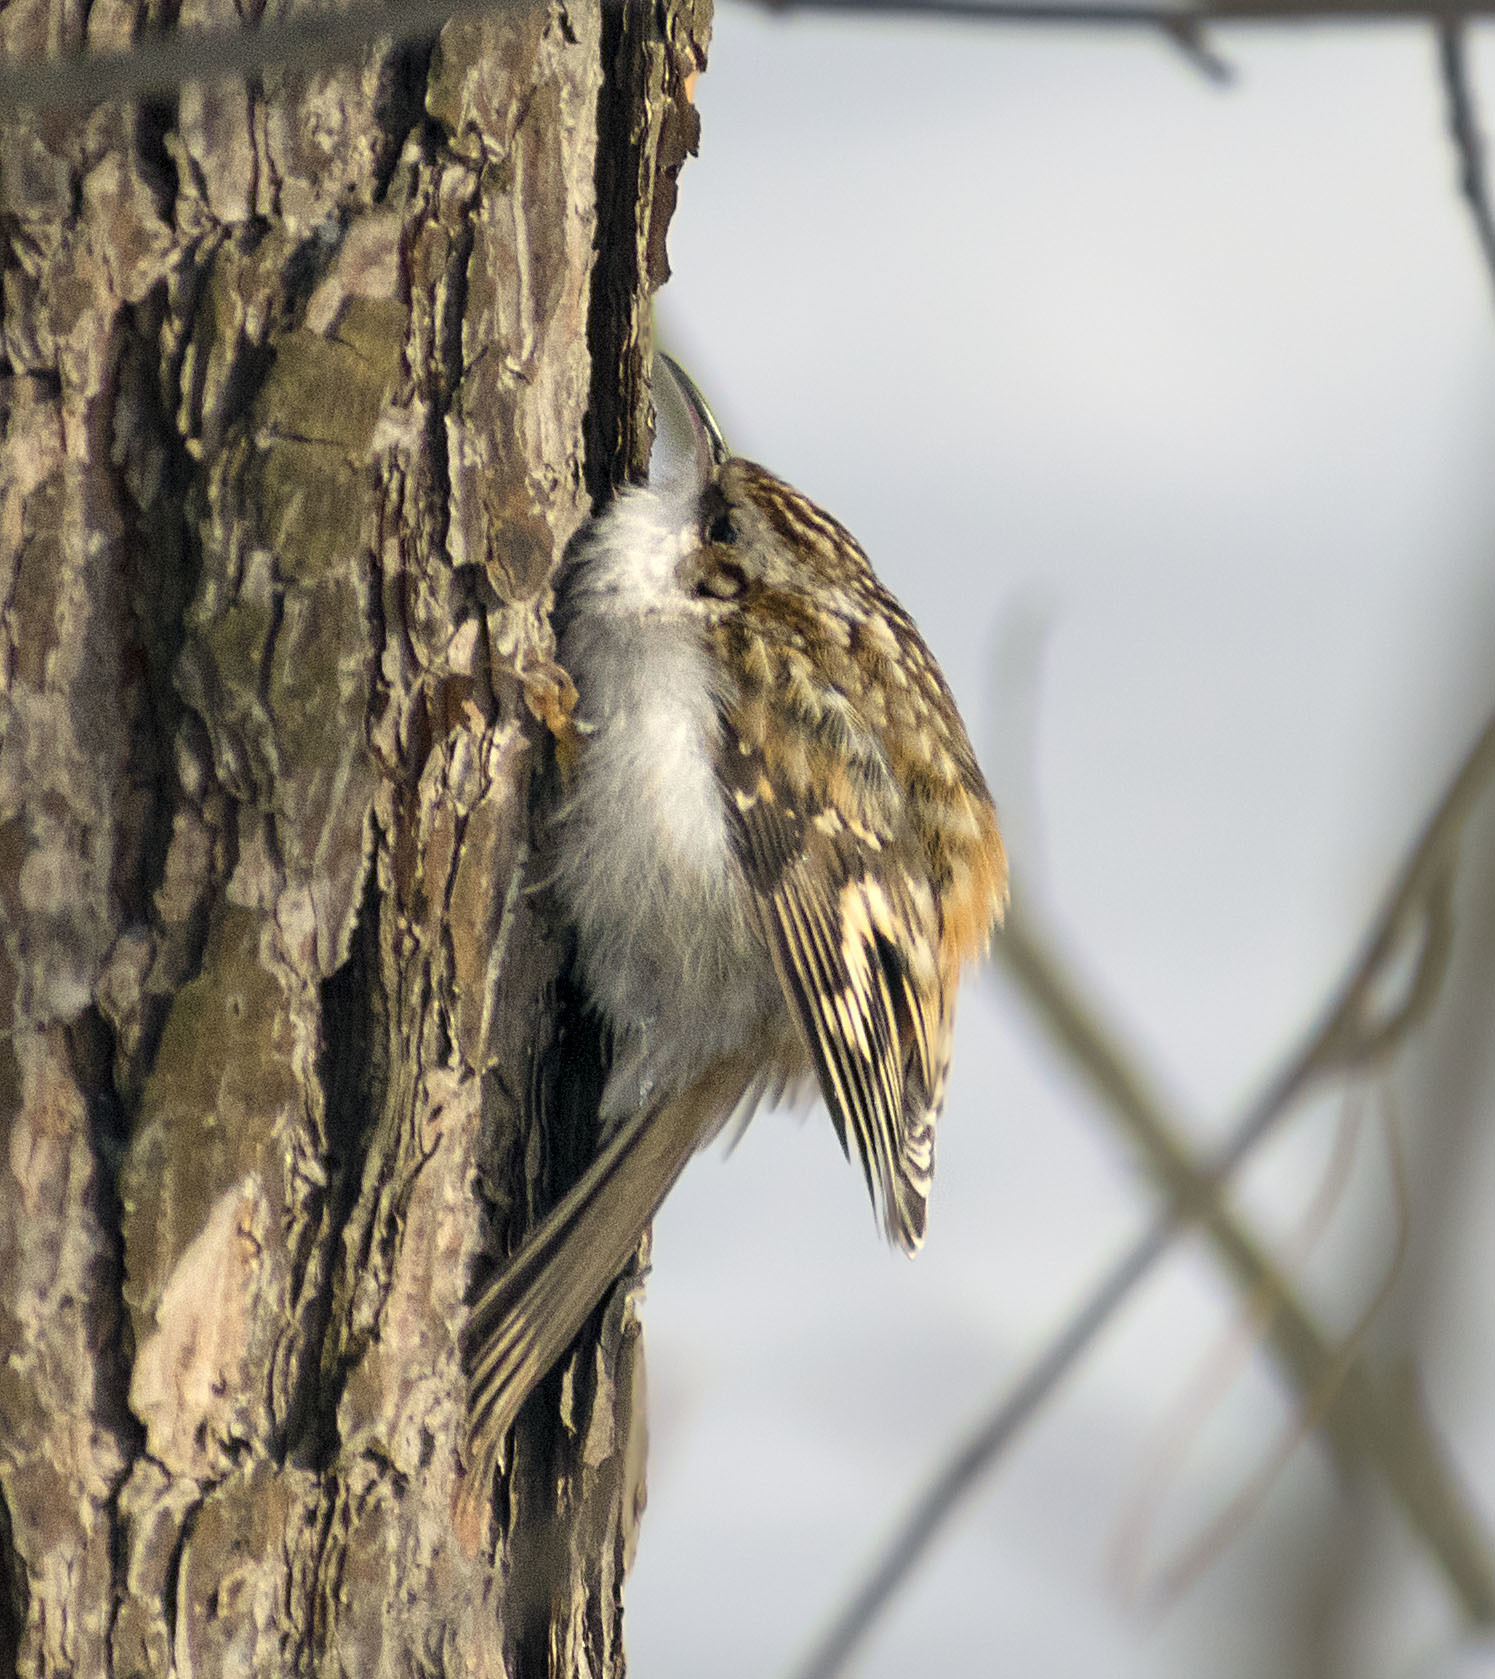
<point x="710" y="446"/>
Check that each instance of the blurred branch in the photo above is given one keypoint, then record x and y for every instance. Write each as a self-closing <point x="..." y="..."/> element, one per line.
<point x="1180" y="24"/>
<point x="1463" y="124"/>
<point x="160" y="64"/>
<point x="1176" y="1431"/>
<point x="1371" y="1014"/>
<point x="1184" y="27"/>
<point x="1130" y="16"/>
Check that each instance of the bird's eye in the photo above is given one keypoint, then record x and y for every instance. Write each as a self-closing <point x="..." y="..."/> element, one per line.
<point x="721" y="529"/>
<point x="724" y="581"/>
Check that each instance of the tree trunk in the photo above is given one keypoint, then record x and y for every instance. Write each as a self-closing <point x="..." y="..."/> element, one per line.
<point x="307" y="381"/>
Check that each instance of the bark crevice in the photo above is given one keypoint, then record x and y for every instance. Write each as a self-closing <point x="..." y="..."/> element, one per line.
<point x="13" y="1596"/>
<point x="353" y="1078"/>
<point x="619" y="376"/>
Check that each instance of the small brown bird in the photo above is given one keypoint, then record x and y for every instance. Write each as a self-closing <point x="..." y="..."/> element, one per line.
<point x="777" y="852"/>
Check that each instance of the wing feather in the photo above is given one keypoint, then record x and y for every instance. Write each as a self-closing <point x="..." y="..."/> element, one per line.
<point x="803" y="944"/>
<point x="853" y="935"/>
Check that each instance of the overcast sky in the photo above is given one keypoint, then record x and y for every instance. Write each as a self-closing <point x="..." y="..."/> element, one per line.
<point x="1169" y="411"/>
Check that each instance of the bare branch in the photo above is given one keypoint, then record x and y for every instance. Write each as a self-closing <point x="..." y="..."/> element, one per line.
<point x="1125" y="14"/>
<point x="1463" y="125"/>
<point x="1186" y="34"/>
<point x="160" y="64"/>
<point x="1177" y="1575"/>
<point x="1360" y="1029"/>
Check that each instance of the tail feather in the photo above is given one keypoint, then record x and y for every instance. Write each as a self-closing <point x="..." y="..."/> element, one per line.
<point x="527" y="1316"/>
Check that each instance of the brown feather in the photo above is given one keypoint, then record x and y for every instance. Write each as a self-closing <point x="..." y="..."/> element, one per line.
<point x="846" y="933"/>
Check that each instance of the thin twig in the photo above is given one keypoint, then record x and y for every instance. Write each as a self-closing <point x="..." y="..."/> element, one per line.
<point x="1358" y="1030"/>
<point x="1185" y="34"/>
<point x="1176" y="1433"/>
<point x="1463" y="125"/>
<point x="1312" y="1408"/>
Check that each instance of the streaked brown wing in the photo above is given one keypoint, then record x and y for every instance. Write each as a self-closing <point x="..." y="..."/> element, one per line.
<point x="853" y="936"/>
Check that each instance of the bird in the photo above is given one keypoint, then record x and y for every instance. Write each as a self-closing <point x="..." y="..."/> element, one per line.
<point x="776" y="852"/>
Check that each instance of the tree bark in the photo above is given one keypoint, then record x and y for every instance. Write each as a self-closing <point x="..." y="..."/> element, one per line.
<point x="307" y="380"/>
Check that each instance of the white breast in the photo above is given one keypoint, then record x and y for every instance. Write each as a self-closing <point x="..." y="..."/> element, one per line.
<point x="669" y="949"/>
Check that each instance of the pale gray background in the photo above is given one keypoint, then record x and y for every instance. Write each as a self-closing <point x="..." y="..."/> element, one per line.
<point x="1170" y="413"/>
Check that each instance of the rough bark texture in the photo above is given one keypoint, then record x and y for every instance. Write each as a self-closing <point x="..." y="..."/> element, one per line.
<point x="306" y="383"/>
